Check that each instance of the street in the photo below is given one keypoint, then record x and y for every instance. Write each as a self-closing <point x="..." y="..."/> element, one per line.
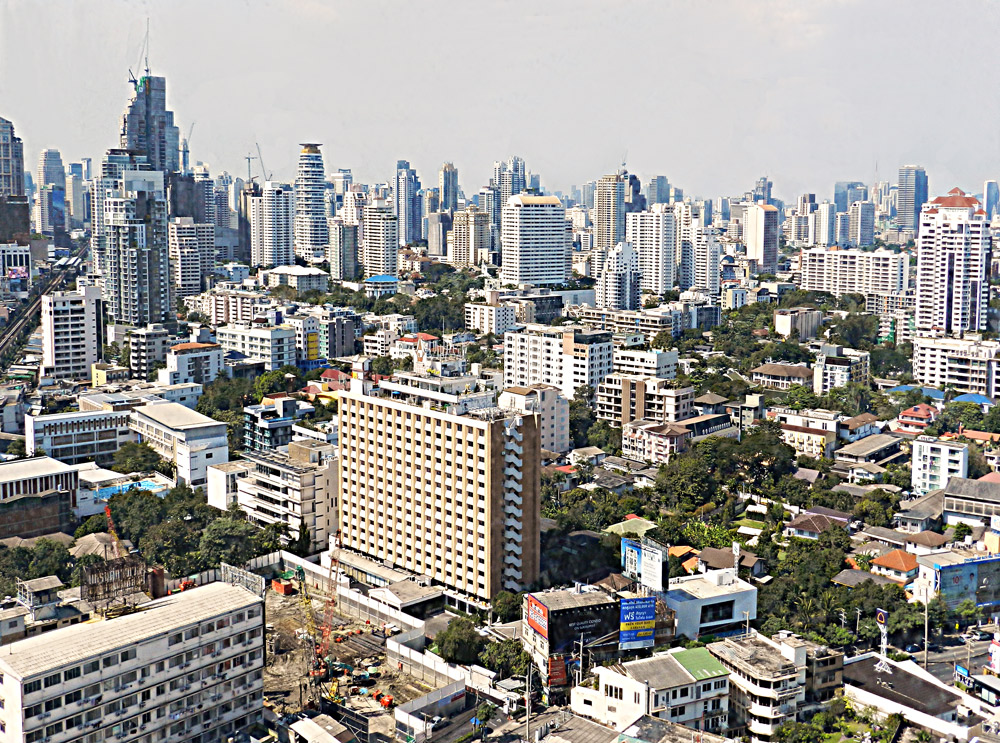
<point x="942" y="663"/>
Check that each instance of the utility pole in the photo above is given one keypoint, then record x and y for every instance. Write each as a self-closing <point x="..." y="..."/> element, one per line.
<point x="926" y="630"/>
<point x="527" y="706"/>
<point x="857" y="624"/>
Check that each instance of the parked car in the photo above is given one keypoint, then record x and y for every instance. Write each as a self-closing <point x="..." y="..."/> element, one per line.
<point x="912" y="648"/>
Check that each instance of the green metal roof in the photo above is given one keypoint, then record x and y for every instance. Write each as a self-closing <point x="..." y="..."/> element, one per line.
<point x="700" y="663"/>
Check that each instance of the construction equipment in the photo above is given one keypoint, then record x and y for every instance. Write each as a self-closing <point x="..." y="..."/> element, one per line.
<point x="116" y="544"/>
<point x="300" y="574"/>
<point x="263" y="168"/>
<point x="329" y="611"/>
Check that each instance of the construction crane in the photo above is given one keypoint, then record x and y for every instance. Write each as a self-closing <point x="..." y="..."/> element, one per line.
<point x="248" y="158"/>
<point x="300" y="573"/>
<point x="116" y="544"/>
<point x="263" y="168"/>
<point x="329" y="611"/>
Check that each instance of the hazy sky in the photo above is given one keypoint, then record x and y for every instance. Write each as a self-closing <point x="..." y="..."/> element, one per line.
<point x="710" y="93"/>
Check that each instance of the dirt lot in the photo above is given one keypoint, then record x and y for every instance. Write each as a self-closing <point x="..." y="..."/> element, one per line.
<point x="286" y="676"/>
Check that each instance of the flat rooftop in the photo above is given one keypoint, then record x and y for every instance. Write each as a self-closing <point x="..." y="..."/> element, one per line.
<point x="570" y="599"/>
<point x="753" y="653"/>
<point x="900" y="687"/>
<point x="706" y="586"/>
<point x="176" y="416"/>
<point x="80" y="642"/>
<point x="868" y="445"/>
<point x="27" y="469"/>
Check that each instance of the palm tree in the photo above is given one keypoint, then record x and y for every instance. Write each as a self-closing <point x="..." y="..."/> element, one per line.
<point x="828" y="604"/>
<point x="807" y="611"/>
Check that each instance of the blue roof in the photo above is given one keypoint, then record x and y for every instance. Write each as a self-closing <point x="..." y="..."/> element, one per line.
<point x="383" y="278"/>
<point x="925" y="391"/>
<point x="978" y="399"/>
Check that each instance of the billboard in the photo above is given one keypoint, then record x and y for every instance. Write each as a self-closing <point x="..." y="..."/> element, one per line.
<point x="631" y="559"/>
<point x="974" y="579"/>
<point x="652" y="567"/>
<point x="113" y="580"/>
<point x="637" y="622"/>
<point x="538" y="616"/>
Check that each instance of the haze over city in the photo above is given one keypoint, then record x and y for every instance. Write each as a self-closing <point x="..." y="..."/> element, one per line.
<point x="712" y="94"/>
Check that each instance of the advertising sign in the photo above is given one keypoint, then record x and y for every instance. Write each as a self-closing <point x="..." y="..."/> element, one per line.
<point x="977" y="579"/>
<point x="557" y="672"/>
<point x="652" y="568"/>
<point x="881" y="617"/>
<point x="637" y="624"/>
<point x="631" y="559"/>
<point x="538" y="616"/>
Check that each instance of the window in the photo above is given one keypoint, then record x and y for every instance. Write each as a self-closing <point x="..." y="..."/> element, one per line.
<point x="91" y="667"/>
<point x="128" y="655"/>
<point x="174" y="639"/>
<point x="32" y="686"/>
<point x="52" y="680"/>
<point x="33" y="711"/>
<point x="72" y="673"/>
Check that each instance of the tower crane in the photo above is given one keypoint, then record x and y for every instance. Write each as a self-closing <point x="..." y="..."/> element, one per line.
<point x="263" y="168"/>
<point x="329" y="611"/>
<point x="116" y="544"/>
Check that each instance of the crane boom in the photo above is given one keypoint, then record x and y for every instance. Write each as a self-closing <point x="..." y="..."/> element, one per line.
<point x="116" y="543"/>
<point x="263" y="168"/>
<point x="329" y="611"/>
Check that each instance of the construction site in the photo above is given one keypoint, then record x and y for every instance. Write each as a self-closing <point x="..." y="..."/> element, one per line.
<point x="318" y="659"/>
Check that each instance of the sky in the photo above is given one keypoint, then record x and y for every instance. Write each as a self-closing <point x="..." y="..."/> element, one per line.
<point x="710" y="93"/>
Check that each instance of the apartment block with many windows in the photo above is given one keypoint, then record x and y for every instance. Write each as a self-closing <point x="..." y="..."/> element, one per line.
<point x="567" y="357"/>
<point x="453" y="497"/>
<point x="187" y="667"/>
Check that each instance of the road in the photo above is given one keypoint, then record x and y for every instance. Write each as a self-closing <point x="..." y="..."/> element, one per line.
<point x="942" y="663"/>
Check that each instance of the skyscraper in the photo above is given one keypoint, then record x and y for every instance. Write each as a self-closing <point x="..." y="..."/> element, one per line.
<point x="137" y="275"/>
<point x="271" y="226"/>
<point x="657" y="191"/>
<point x="448" y="188"/>
<point x="50" y="169"/>
<point x="953" y="254"/>
<point x="840" y="194"/>
<point x="470" y="237"/>
<point x="825" y="224"/>
<point x="609" y="211"/>
<point x="310" y="211"/>
<point x="342" y="252"/>
<point x="991" y="197"/>
<point x="509" y="178"/>
<point x="148" y="127"/>
<point x="11" y="161"/>
<point x="862" y="223"/>
<point x="912" y="196"/>
<point x="381" y="240"/>
<point x="406" y="203"/>
<point x="618" y="284"/>
<point x="71" y="332"/>
<point x="653" y="235"/>
<point x="191" y="247"/>
<point x="536" y="241"/>
<point x="760" y="234"/>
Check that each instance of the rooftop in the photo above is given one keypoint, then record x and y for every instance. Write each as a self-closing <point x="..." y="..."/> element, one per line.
<point x="976" y="489"/>
<point x="180" y="347"/>
<point x="868" y="445"/>
<point x="36" y="655"/>
<point x="901" y="687"/>
<point x="707" y="585"/>
<point x="176" y="416"/>
<point x="299" y="271"/>
<point x="753" y="653"/>
<point x="854" y="578"/>
<point x="570" y="599"/>
<point x="784" y="370"/>
<point x="26" y="469"/>
<point x="899" y="560"/>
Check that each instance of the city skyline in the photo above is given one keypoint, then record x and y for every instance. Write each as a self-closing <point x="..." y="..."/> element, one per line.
<point x="547" y="115"/>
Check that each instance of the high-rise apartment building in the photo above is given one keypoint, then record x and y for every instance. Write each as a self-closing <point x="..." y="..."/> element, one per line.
<point x="470" y="237"/>
<point x="406" y="203"/>
<point x="271" y="226"/>
<point x="699" y="252"/>
<point x="652" y="233"/>
<point x="862" y="223"/>
<point x="191" y="246"/>
<point x="72" y="332"/>
<point x="824" y="222"/>
<point x="50" y="169"/>
<point x="448" y="188"/>
<point x="991" y="193"/>
<point x="760" y="234"/>
<point x="564" y="357"/>
<point x="11" y="161"/>
<point x="657" y="191"/>
<point x="953" y="254"/>
<point x="618" y="284"/>
<point x="536" y="243"/>
<point x="342" y="249"/>
<point x="911" y="197"/>
<point x="137" y="265"/>
<point x="841" y="194"/>
<point x="148" y="127"/>
<point x="310" y="211"/>
<point x="454" y="497"/>
<point x="609" y="211"/>
<point x="509" y="179"/>
<point x="381" y="240"/>
<point x="854" y="271"/>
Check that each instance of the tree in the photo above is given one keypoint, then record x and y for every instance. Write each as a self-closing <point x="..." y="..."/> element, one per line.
<point x="459" y="642"/>
<point x="135" y="511"/>
<point x="133" y="457"/>
<point x="961" y="531"/>
<point x="605" y="437"/>
<point x="226" y="540"/>
<point x="507" y="606"/>
<point x="506" y="657"/>
<point x="93" y="525"/>
<point x="17" y="449"/>
<point x="49" y="558"/>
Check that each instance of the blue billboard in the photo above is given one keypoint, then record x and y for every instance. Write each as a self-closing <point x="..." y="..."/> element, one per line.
<point x="637" y="623"/>
<point x="631" y="559"/>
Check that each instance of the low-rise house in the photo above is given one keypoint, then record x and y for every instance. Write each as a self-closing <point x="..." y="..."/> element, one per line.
<point x="899" y="565"/>
<point x="921" y="514"/>
<point x="881" y="449"/>
<point x="719" y="559"/>
<point x="710" y="602"/>
<point x="914" y="420"/>
<point x="809" y="526"/>
<point x="781" y="376"/>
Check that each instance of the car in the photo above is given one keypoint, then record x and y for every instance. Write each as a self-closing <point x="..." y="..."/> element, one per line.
<point x="912" y="648"/>
<point x="933" y="647"/>
<point x="968" y="637"/>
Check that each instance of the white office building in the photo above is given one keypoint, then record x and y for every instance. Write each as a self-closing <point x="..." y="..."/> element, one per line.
<point x="823" y="223"/>
<point x="491" y="318"/>
<point x="862" y="223"/>
<point x="935" y="462"/>
<point x="535" y="239"/>
<point x="953" y="253"/>
<point x="653" y="235"/>
<point x="968" y="364"/>
<point x="760" y="234"/>
<point x="274" y="345"/>
<point x="565" y="357"/>
<point x="609" y="211"/>
<point x="271" y="226"/>
<point x="854" y="271"/>
<point x="187" y="667"/>
<point x="552" y="409"/>
<point x="190" y="440"/>
<point x="380" y="254"/>
<point x="71" y="333"/>
<point x="310" y="229"/>
<point x="652" y="363"/>
<point x="191" y="246"/>
<point x="618" y="283"/>
<point x="836" y="366"/>
<point x="699" y="252"/>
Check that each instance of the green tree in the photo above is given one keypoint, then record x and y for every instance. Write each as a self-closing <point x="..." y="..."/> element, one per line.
<point x="93" y="525"/>
<point x="506" y="658"/>
<point x="459" y="642"/>
<point x="603" y="436"/>
<point x="961" y="531"/>
<point x="226" y="540"/>
<point x="133" y="457"/>
<point x="506" y="606"/>
<point x="49" y="558"/>
<point x="17" y="449"/>
<point x="135" y="512"/>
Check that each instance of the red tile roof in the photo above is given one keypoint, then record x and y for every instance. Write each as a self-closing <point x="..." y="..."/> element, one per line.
<point x="899" y="560"/>
<point x="956" y="198"/>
